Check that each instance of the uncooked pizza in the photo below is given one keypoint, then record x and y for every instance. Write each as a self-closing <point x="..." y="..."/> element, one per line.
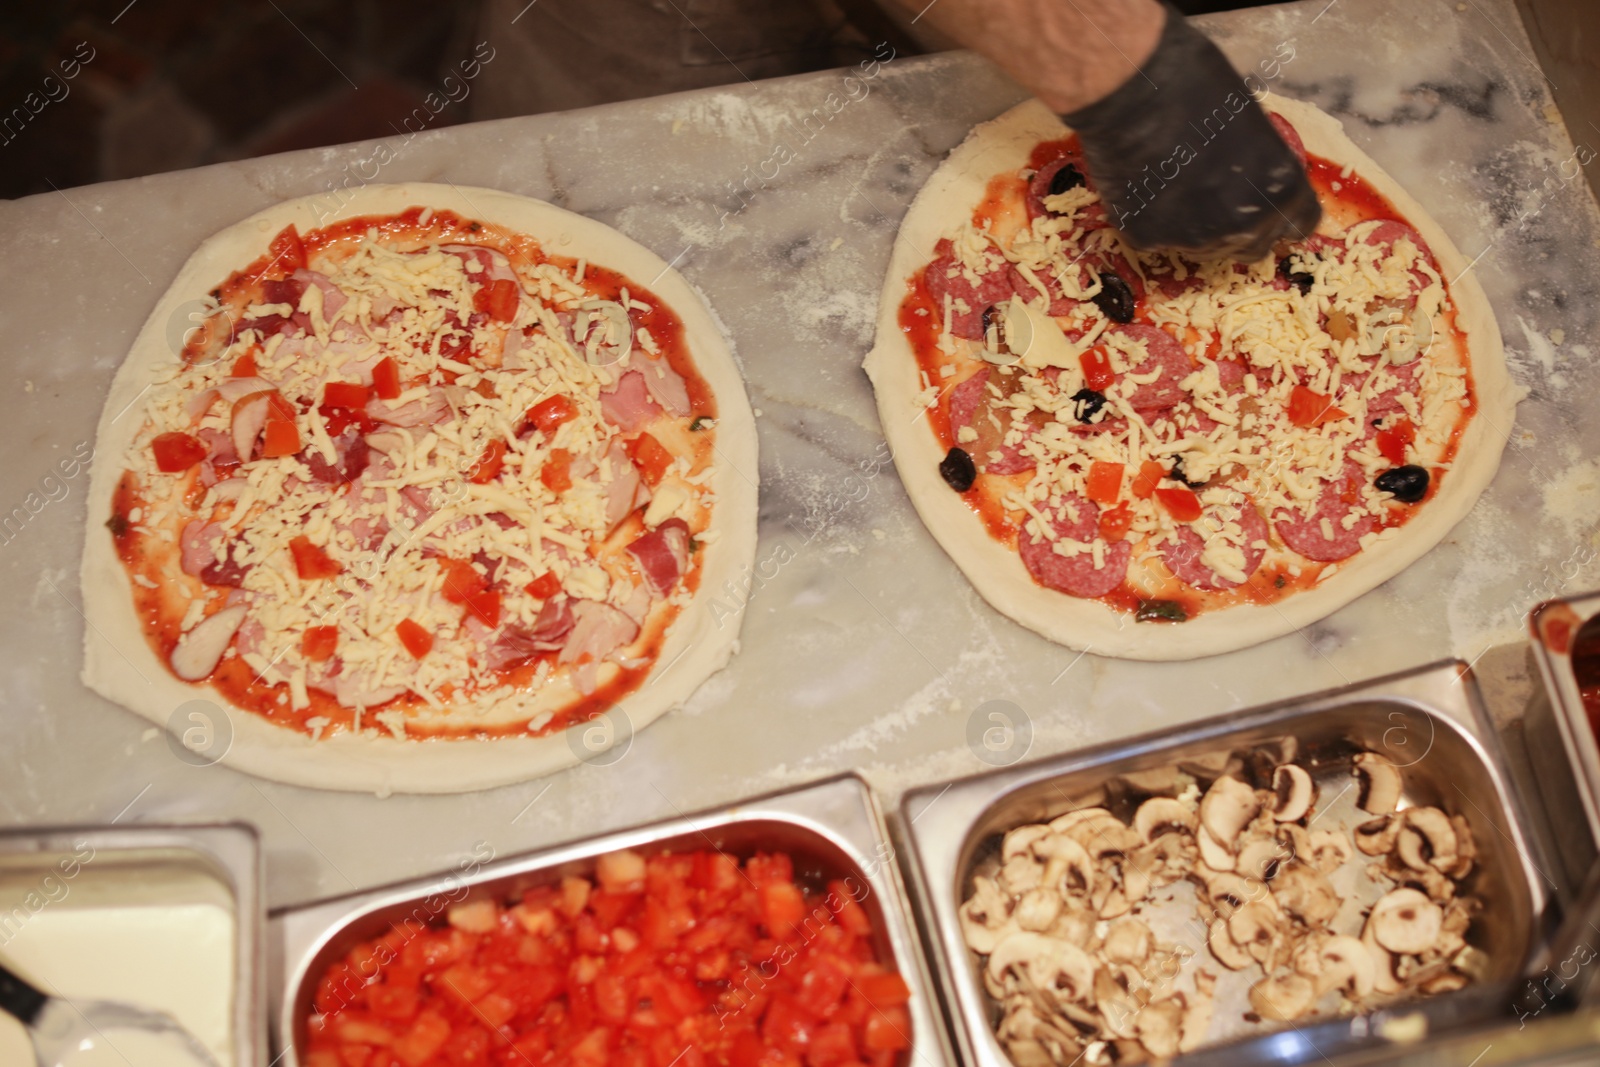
<point x="425" y="486"/>
<point x="1152" y="457"/>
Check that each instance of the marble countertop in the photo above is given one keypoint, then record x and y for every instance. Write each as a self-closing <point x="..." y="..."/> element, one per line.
<point x="863" y="647"/>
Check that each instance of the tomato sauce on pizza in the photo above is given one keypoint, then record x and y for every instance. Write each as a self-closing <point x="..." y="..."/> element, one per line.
<point x="419" y="474"/>
<point x="1171" y="437"/>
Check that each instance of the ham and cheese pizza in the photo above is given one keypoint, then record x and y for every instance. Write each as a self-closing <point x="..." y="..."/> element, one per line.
<point x="1157" y="458"/>
<point x="425" y="486"/>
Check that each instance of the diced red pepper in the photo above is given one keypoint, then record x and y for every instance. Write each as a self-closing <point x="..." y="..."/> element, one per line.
<point x="1149" y="476"/>
<point x="462" y="581"/>
<point x="1104" y="483"/>
<point x="1097" y="373"/>
<point x="176" y="452"/>
<point x="281" y="438"/>
<point x="338" y="420"/>
<point x="352" y="395"/>
<point x="244" y="366"/>
<point x="1180" y="503"/>
<point x="1308" y="408"/>
<point x="490" y="464"/>
<point x="417" y="641"/>
<point x="556" y="474"/>
<point x="551" y="412"/>
<point x="1393" y="440"/>
<point x="386" y="378"/>
<point x="545" y="586"/>
<point x="312" y="561"/>
<point x="278" y="405"/>
<point x="486" y="606"/>
<point x="286" y="254"/>
<point x="1115" y="522"/>
<point x="650" y="457"/>
<point x="318" y="643"/>
<point x="497" y="299"/>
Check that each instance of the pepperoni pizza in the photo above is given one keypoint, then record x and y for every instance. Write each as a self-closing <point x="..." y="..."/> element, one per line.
<point x="1161" y="458"/>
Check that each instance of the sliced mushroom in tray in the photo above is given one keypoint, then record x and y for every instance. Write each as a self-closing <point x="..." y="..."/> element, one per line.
<point x="1308" y="888"/>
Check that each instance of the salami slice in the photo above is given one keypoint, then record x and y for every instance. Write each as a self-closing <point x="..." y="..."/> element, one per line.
<point x="1386" y="235"/>
<point x="965" y="398"/>
<point x="1075" y="519"/>
<point x="1183" y="556"/>
<point x="1337" y="500"/>
<point x="1387" y="401"/>
<point x="969" y="407"/>
<point x="1166" y="355"/>
<point x="1059" y="304"/>
<point x="1112" y="426"/>
<point x="1290" y="135"/>
<point x="946" y="276"/>
<point x="1092" y="217"/>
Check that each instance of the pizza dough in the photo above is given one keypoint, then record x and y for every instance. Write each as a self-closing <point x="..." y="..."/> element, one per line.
<point x="121" y="665"/>
<point x="997" y="571"/>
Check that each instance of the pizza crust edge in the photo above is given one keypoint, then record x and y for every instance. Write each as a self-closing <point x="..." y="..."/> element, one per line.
<point x="996" y="571"/>
<point x="120" y="665"/>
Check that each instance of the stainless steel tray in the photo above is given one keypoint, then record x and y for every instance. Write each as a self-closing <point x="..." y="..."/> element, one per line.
<point x="1429" y="720"/>
<point x="1561" y="745"/>
<point x="832" y="828"/>
<point x="146" y="864"/>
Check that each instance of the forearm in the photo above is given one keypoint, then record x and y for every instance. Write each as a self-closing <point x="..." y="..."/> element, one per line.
<point x="1068" y="53"/>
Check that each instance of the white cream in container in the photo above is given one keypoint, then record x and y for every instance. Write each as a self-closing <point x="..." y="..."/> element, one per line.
<point x="155" y="928"/>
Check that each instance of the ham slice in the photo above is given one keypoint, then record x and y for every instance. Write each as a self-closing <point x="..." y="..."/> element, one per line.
<point x="356" y="690"/>
<point x="494" y="266"/>
<point x="199" y="651"/>
<point x="628" y="405"/>
<point x="353" y="456"/>
<point x="597" y="631"/>
<point x="199" y="554"/>
<point x="433" y="408"/>
<point x="627" y="490"/>
<point x="518" y="644"/>
<point x="663" y="555"/>
<point x="332" y="297"/>
<point x="197" y="546"/>
<point x="666" y="385"/>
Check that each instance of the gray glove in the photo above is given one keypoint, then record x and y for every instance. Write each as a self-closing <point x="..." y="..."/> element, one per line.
<point x="1187" y="161"/>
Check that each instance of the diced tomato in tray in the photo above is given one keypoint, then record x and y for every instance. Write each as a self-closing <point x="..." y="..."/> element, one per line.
<point x="683" y="959"/>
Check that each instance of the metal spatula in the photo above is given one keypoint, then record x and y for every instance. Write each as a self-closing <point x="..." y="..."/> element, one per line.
<point x="59" y="1028"/>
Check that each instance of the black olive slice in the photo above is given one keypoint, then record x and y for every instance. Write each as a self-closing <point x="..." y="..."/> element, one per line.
<point x="1178" y="474"/>
<point x="1115" y="299"/>
<point x="1300" y="279"/>
<point x="1068" y="177"/>
<point x="1087" y="404"/>
<point x="1409" y="484"/>
<point x="958" y="470"/>
<point x="992" y="320"/>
